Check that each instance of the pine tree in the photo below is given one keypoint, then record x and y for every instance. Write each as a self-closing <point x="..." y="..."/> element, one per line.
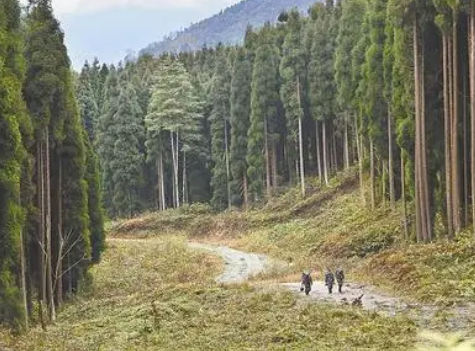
<point x="240" y="121"/>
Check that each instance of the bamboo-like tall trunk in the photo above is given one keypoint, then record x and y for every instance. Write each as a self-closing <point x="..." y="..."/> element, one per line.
<point x="472" y="103"/>
<point x="325" y="156"/>
<point x="392" y="192"/>
<point x="319" y="152"/>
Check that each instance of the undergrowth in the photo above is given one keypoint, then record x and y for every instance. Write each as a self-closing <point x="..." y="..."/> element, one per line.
<point x="155" y="294"/>
<point x="332" y="227"/>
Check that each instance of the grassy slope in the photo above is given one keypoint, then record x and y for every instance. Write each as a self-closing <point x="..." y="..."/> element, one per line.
<point x="157" y="295"/>
<point x="333" y="228"/>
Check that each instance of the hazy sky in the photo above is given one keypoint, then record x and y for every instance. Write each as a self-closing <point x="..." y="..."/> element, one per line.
<point x="108" y="28"/>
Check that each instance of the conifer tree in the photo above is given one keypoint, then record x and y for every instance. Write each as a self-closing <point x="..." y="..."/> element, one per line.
<point x="264" y="109"/>
<point x="240" y="120"/>
<point x="126" y="165"/>
<point x="220" y="132"/>
<point x="292" y="69"/>
<point x="12" y="153"/>
<point x="107" y="137"/>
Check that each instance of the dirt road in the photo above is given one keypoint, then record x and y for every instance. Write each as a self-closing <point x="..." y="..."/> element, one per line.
<point x="239" y="266"/>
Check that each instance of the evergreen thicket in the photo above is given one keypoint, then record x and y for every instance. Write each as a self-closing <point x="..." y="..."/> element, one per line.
<point x="383" y="85"/>
<point x="51" y="224"/>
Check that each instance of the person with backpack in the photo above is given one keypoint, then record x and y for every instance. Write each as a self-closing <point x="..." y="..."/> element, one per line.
<point x="306" y="283"/>
<point x="340" y="278"/>
<point x="329" y="280"/>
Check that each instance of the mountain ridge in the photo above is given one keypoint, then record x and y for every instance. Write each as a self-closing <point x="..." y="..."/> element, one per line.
<point x="227" y="26"/>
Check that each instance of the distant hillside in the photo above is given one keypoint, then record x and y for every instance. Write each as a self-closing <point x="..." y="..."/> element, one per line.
<point x="227" y="27"/>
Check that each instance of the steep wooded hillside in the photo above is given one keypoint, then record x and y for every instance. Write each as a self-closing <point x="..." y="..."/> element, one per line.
<point x="227" y="27"/>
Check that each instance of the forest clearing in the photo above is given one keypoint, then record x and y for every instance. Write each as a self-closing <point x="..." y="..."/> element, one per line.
<point x="154" y="291"/>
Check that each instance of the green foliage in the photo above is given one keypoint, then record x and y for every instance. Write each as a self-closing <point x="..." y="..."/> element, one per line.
<point x="264" y="108"/>
<point x="13" y="120"/>
<point x="240" y="122"/>
<point x="94" y="203"/>
<point x="220" y="132"/>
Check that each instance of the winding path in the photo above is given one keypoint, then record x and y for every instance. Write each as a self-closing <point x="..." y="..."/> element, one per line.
<point x="239" y="266"/>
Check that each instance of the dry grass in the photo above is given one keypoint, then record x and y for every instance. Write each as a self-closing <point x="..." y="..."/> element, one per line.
<point x="157" y="295"/>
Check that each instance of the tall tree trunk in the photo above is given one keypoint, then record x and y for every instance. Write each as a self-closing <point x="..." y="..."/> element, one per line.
<point x="49" y="251"/>
<point x="319" y="152"/>
<point x="59" y="263"/>
<point x="162" y="180"/>
<point x="419" y="212"/>
<point x="185" y="180"/>
<point x="245" y="191"/>
<point x="424" y="171"/>
<point x="392" y="193"/>
<point x="403" y="196"/>
<point x="301" y="155"/>
<point x="42" y="233"/>
<point x="383" y="183"/>
<point x="23" y="282"/>
<point x="228" y="168"/>
<point x="472" y="102"/>
<point x="466" y="127"/>
<point x="274" y="171"/>
<point x="447" y="136"/>
<point x="172" y="143"/>
<point x="347" y="144"/>
<point x="325" y="157"/>
<point x="334" y="155"/>
<point x="267" y="156"/>
<point x="455" y="116"/>
<point x="177" y="169"/>
<point x="360" y="161"/>
<point x="372" y="175"/>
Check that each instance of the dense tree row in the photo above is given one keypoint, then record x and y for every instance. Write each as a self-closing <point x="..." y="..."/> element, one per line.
<point x="385" y="85"/>
<point x="51" y="223"/>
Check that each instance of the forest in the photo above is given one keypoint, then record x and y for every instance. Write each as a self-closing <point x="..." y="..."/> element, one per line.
<point x="51" y="217"/>
<point x="386" y="87"/>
